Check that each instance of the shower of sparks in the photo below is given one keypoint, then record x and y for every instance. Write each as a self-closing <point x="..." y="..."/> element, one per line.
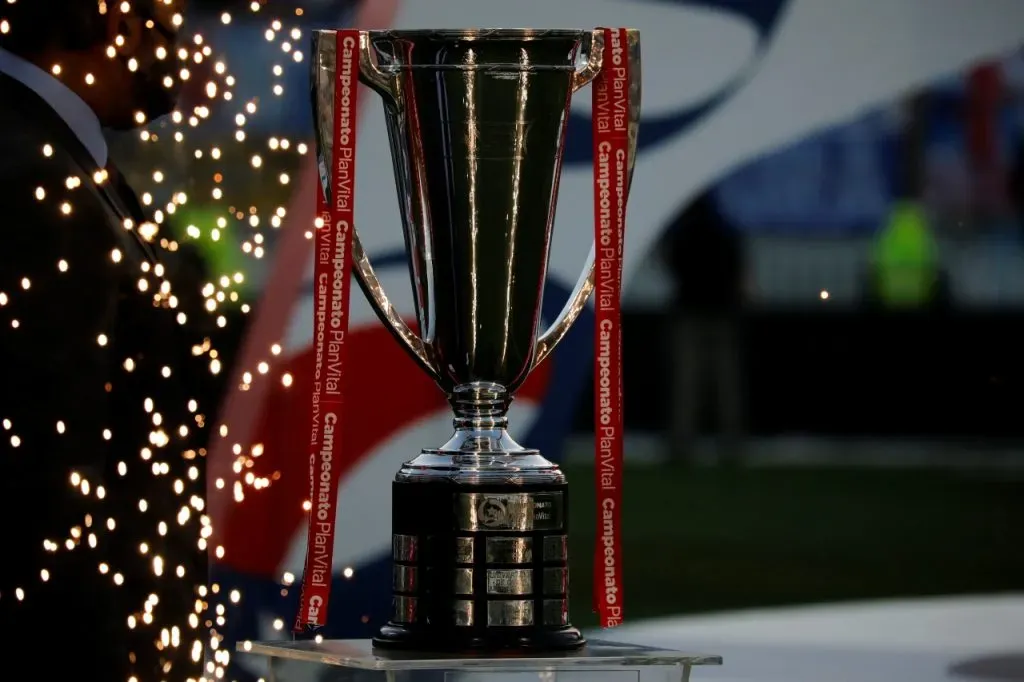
<point x="248" y="225"/>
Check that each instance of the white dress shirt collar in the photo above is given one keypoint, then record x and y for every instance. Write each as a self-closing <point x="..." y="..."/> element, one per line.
<point x="78" y="116"/>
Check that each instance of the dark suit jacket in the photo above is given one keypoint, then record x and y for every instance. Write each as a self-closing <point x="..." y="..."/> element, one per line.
<point x="83" y="396"/>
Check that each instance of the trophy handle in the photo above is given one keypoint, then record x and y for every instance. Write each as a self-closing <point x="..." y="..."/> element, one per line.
<point x="594" y="48"/>
<point x="386" y="86"/>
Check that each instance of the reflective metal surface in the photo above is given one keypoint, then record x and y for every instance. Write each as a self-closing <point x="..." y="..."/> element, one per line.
<point x="404" y="609"/>
<point x="404" y="548"/>
<point x="481" y="451"/>
<point x="463" y="583"/>
<point x="464" y="550"/>
<point x="585" y="286"/>
<point x="506" y="550"/>
<point x="510" y="613"/>
<point x="405" y="578"/>
<point x="476" y="122"/>
<point x="510" y="581"/>
<point x="518" y="511"/>
<point x="462" y="613"/>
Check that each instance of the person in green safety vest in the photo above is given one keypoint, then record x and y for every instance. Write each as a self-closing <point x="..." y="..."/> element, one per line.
<point x="906" y="271"/>
<point x="221" y="256"/>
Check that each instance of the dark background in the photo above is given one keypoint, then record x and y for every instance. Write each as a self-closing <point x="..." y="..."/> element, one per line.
<point x="852" y="374"/>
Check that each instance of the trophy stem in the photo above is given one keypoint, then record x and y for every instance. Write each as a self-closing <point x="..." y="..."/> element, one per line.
<point x="480" y="406"/>
<point x="481" y="437"/>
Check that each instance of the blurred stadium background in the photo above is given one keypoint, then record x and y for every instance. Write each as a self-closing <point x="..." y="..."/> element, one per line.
<point x="881" y="453"/>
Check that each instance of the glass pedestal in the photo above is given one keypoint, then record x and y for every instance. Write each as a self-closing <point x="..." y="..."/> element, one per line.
<point x="355" y="660"/>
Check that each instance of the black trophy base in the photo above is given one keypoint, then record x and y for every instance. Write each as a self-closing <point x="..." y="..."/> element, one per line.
<point x="479" y="568"/>
<point x="395" y="636"/>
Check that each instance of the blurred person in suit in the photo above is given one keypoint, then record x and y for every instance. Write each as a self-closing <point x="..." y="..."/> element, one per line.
<point x="101" y="447"/>
<point x="706" y="256"/>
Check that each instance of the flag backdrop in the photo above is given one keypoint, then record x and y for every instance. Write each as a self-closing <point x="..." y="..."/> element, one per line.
<point x="724" y="81"/>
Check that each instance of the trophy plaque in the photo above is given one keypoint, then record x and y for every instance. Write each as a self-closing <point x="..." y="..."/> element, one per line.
<point x="476" y="121"/>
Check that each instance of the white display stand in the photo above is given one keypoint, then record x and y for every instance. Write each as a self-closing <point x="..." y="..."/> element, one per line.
<point x="355" y="660"/>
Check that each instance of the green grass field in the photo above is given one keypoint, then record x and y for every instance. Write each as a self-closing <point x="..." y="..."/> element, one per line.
<point x="708" y="539"/>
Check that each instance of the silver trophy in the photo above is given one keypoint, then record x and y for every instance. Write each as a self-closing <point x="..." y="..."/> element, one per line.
<point x="476" y="121"/>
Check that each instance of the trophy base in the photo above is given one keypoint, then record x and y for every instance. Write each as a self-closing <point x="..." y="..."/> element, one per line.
<point x="397" y="637"/>
<point x="480" y="567"/>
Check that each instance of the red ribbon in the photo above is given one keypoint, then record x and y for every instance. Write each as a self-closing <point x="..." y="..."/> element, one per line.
<point x="611" y="178"/>
<point x="332" y="285"/>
